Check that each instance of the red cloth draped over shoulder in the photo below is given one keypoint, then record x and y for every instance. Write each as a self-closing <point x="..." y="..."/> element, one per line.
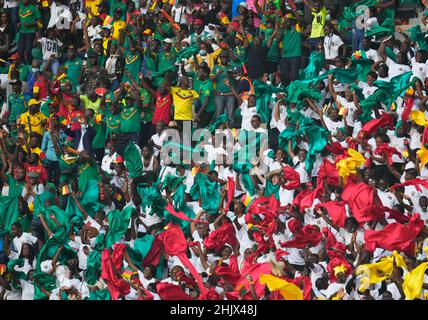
<point x="395" y="236"/>
<point x="110" y="265"/>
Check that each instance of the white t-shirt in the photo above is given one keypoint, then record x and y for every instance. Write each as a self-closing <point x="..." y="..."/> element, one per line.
<point x="300" y="168"/>
<point x="247" y="114"/>
<point x="19" y="241"/>
<point x="50" y="47"/>
<point x="331" y="125"/>
<point x="373" y="55"/>
<point x="350" y="109"/>
<point x="396" y="69"/>
<point x="419" y="69"/>
<point x="106" y="162"/>
<point x="367" y="90"/>
<point x="332" y="44"/>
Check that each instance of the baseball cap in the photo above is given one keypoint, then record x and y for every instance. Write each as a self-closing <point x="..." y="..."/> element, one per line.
<point x="33" y="102"/>
<point x="243" y="4"/>
<point x="167" y="40"/>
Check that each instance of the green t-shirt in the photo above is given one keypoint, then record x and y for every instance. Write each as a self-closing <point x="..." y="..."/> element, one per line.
<point x="130" y="119"/>
<point x="166" y="27"/>
<point x="100" y="133"/>
<point x="24" y="71"/>
<point x="273" y="52"/>
<point x="73" y="70"/>
<point x="17" y="106"/>
<point x="112" y="124"/>
<point x="221" y="78"/>
<point x="28" y="14"/>
<point x="240" y="53"/>
<point x="292" y="43"/>
<point x="146" y="98"/>
<point x="206" y="89"/>
<point x="166" y="61"/>
<point x="132" y="64"/>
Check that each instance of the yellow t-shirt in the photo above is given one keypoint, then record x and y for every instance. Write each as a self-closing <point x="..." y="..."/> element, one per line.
<point x="36" y="122"/>
<point x="318" y="23"/>
<point x="117" y="25"/>
<point x="183" y="100"/>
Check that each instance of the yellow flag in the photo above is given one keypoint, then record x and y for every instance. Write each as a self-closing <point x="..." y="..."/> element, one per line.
<point x="413" y="281"/>
<point x="289" y="291"/>
<point x="418" y="117"/>
<point x="349" y="165"/>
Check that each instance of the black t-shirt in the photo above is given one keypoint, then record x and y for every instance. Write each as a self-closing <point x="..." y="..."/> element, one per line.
<point x="256" y="61"/>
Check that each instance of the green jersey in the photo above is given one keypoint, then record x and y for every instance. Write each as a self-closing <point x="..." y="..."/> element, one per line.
<point x="73" y="70"/>
<point x="206" y="89"/>
<point x="28" y="14"/>
<point x="130" y="119"/>
<point x="17" y="106"/>
<point x="221" y="76"/>
<point x="292" y="42"/>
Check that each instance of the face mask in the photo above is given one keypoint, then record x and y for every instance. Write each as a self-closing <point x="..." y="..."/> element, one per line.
<point x="203" y="52"/>
<point x="114" y="172"/>
<point x="84" y="126"/>
<point x="327" y="18"/>
<point x="106" y="151"/>
<point x="237" y="77"/>
<point x="34" y="70"/>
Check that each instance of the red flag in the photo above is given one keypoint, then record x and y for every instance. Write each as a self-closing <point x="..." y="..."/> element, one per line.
<point x="414" y="182"/>
<point x="293" y="178"/>
<point x="308" y="235"/>
<point x="359" y="197"/>
<point x="372" y="126"/>
<point x="336" y="148"/>
<point x="254" y="271"/>
<point x="180" y="214"/>
<point x="110" y="266"/>
<point x="218" y="238"/>
<point x="305" y="199"/>
<point x="336" y="211"/>
<point x="304" y="283"/>
<point x="408" y="105"/>
<point x="388" y="151"/>
<point x="175" y="244"/>
<point x="395" y="236"/>
<point x="230" y="192"/>
<point x="267" y="206"/>
<point x="169" y="291"/>
<point x="335" y="262"/>
<point x="153" y="256"/>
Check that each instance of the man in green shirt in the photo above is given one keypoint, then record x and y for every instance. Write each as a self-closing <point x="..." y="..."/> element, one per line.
<point x="17" y="103"/>
<point x="291" y="37"/>
<point x="206" y="98"/>
<point x="223" y="95"/>
<point x="73" y="65"/>
<point x="29" y="16"/>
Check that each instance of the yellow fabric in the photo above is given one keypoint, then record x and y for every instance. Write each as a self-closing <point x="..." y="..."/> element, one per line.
<point x="413" y="281"/>
<point x="376" y="272"/>
<point x="349" y="165"/>
<point x="423" y="156"/>
<point x="36" y="122"/>
<point x="418" y="117"/>
<point x="183" y="100"/>
<point x="289" y="291"/>
<point x="117" y="26"/>
<point x="93" y="5"/>
<point x="318" y="23"/>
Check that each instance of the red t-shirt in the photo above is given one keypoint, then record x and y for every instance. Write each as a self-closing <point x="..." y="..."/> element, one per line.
<point x="162" y="108"/>
<point x="44" y="89"/>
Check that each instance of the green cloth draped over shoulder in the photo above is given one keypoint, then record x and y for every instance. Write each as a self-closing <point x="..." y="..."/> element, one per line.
<point x="187" y="52"/>
<point x="118" y="223"/>
<point x="416" y="35"/>
<point x="133" y="160"/>
<point x="272" y="189"/>
<point x="9" y="210"/>
<point x="316" y="136"/>
<point x="387" y="93"/>
<point x="264" y="92"/>
<point x="387" y="28"/>
<point x="151" y="198"/>
<point x="93" y="268"/>
<point x="316" y="62"/>
<point x="207" y="191"/>
<point x="90" y="200"/>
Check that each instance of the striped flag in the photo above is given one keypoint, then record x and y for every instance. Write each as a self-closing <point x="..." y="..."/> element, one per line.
<point x="65" y="189"/>
<point x="108" y="21"/>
